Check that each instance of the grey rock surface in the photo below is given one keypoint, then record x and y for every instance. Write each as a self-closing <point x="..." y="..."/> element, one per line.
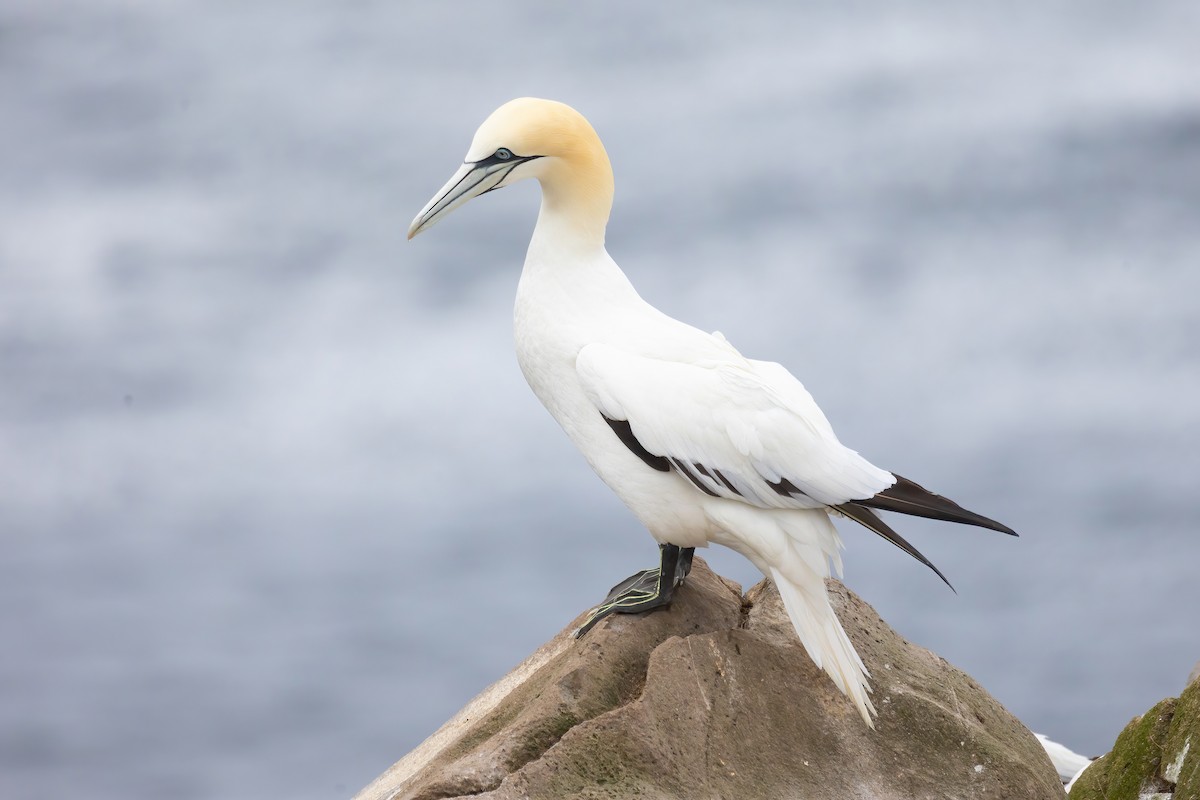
<point x="715" y="698"/>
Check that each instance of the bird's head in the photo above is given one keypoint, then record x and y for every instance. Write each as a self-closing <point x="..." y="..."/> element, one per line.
<point x="530" y="138"/>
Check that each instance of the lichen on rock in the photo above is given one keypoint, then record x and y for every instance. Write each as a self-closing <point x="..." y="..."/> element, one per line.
<point x="1181" y="752"/>
<point x="1158" y="753"/>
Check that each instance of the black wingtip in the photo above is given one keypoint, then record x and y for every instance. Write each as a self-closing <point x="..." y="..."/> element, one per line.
<point x="909" y="497"/>
<point x="869" y="520"/>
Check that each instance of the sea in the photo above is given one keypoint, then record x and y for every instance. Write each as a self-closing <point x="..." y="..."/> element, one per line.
<point x="275" y="501"/>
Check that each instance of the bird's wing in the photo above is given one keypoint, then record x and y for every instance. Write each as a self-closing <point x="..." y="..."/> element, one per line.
<point x="739" y="429"/>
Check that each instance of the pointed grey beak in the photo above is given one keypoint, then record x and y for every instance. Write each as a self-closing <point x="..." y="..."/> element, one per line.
<point x="471" y="180"/>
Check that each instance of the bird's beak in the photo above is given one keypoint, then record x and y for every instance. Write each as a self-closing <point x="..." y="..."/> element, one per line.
<point x="471" y="180"/>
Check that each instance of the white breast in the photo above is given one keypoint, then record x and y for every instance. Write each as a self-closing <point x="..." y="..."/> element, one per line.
<point x="559" y="309"/>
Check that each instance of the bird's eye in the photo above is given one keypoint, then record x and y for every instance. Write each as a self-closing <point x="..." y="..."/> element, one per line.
<point x="504" y="154"/>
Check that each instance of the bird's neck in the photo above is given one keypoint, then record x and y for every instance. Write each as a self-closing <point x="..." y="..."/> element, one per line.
<point x="567" y="265"/>
<point x="566" y="259"/>
<point x="577" y="197"/>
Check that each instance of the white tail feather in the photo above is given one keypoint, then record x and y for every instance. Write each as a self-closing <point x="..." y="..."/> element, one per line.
<point x="821" y="633"/>
<point x="794" y="548"/>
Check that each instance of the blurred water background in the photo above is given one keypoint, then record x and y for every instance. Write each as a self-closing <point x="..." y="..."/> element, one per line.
<point x="274" y="499"/>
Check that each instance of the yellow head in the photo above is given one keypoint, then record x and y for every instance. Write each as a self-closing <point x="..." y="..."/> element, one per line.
<point x="532" y="138"/>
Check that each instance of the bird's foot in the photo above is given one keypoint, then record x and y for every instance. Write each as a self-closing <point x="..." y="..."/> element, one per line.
<point x="645" y="590"/>
<point x="639" y="583"/>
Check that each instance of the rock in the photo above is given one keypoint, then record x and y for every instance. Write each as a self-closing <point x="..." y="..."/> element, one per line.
<point x="1156" y="756"/>
<point x="715" y="698"/>
<point x="1181" y="752"/>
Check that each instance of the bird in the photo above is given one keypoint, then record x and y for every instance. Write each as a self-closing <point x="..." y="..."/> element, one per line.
<point x="1069" y="764"/>
<point x="704" y="445"/>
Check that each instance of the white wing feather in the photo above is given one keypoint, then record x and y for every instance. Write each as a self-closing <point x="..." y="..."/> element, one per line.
<point x="751" y="420"/>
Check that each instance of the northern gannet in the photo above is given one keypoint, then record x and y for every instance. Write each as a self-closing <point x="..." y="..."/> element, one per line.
<point x="1069" y="764"/>
<point x="703" y="445"/>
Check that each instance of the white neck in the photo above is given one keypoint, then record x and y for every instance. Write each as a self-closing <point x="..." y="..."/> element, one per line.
<point x="564" y="235"/>
<point x="567" y="265"/>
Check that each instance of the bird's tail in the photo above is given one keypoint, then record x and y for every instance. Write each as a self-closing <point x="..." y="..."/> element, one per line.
<point x="795" y="549"/>
<point x="807" y="604"/>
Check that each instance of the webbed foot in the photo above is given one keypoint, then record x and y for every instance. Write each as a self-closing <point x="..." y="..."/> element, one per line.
<point x="645" y="590"/>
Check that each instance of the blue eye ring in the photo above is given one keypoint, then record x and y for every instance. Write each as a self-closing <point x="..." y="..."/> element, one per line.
<point x="504" y="154"/>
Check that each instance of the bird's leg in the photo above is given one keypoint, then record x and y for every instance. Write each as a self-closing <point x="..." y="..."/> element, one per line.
<point x="645" y="590"/>
<point x="684" y="564"/>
